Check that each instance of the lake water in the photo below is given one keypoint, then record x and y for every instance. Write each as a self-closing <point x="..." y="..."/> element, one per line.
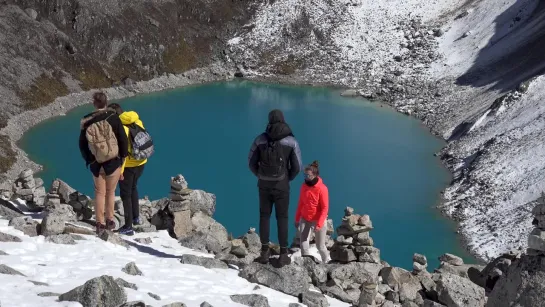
<point x="373" y="159"/>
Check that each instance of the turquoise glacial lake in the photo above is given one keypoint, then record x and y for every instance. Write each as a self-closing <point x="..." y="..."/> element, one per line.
<point x="372" y="158"/>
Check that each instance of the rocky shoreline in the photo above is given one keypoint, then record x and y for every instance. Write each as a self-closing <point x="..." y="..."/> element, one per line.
<point x="357" y="275"/>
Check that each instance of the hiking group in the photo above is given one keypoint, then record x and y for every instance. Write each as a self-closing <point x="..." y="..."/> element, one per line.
<point x="116" y="146"/>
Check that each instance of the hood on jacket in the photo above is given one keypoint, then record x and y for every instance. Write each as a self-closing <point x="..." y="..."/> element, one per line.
<point x="129" y="117"/>
<point x="277" y="128"/>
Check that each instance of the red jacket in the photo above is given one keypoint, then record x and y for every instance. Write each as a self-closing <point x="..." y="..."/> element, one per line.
<point x="313" y="203"/>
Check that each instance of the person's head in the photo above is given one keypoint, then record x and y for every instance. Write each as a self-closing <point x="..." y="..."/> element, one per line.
<point x="100" y="101"/>
<point x="276" y="116"/>
<point x="312" y="171"/>
<point x="116" y="107"/>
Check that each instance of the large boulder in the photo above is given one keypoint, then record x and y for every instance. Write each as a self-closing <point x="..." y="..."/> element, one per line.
<point x="456" y="291"/>
<point x="314" y="299"/>
<point x="207" y="226"/>
<point x="395" y="277"/>
<point x="316" y="272"/>
<point x="355" y="273"/>
<point x="289" y="279"/>
<point x="522" y="285"/>
<point x="101" y="291"/>
<point x="55" y="218"/>
<point x="201" y="201"/>
<point x="488" y="277"/>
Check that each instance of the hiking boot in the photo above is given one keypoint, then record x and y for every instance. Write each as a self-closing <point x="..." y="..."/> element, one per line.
<point x="100" y="228"/>
<point x="110" y="224"/>
<point x="136" y="221"/>
<point x="284" y="259"/>
<point x="124" y="230"/>
<point x="265" y="255"/>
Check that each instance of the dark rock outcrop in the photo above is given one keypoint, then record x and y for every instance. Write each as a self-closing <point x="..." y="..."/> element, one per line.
<point x="291" y="279"/>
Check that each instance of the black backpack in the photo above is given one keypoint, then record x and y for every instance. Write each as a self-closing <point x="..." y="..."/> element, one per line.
<point x="141" y="142"/>
<point x="272" y="164"/>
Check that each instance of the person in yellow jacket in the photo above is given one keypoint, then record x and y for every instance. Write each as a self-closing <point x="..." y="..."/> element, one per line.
<point x="131" y="171"/>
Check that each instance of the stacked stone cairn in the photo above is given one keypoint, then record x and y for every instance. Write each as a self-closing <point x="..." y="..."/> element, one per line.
<point x="179" y="207"/>
<point x="29" y="189"/>
<point x="61" y="193"/>
<point x="420" y="264"/>
<point x="536" y="239"/>
<point x="353" y="242"/>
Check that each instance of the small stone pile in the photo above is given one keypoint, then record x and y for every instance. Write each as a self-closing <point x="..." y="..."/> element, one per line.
<point x="29" y="189"/>
<point x="353" y="242"/>
<point x="536" y="239"/>
<point x="420" y="264"/>
<point x="61" y="193"/>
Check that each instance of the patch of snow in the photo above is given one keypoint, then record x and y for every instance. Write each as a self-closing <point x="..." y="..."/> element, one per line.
<point x="64" y="267"/>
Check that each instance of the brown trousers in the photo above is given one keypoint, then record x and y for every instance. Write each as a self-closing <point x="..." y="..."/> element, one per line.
<point x="105" y="195"/>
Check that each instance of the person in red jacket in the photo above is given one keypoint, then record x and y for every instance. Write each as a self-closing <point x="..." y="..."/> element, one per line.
<point x="312" y="212"/>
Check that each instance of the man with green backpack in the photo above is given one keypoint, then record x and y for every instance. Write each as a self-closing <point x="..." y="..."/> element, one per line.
<point x="140" y="149"/>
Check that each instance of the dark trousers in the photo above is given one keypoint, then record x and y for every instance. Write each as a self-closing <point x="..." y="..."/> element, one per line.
<point x="281" y="201"/>
<point x="129" y="193"/>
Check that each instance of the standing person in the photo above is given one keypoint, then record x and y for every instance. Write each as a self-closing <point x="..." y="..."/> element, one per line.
<point x="134" y="167"/>
<point x="275" y="159"/>
<point x="312" y="212"/>
<point x="103" y="145"/>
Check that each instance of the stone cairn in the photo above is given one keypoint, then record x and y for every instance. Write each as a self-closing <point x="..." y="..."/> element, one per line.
<point x="353" y="242"/>
<point x="179" y="208"/>
<point x="420" y="264"/>
<point x="29" y="189"/>
<point x="61" y="193"/>
<point x="536" y="239"/>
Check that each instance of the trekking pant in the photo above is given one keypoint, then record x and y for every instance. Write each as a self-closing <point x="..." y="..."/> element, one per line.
<point x="280" y="200"/>
<point x="320" y="236"/>
<point x="105" y="195"/>
<point x="129" y="193"/>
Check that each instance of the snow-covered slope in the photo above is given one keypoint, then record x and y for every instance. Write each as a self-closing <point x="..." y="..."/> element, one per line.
<point x="64" y="267"/>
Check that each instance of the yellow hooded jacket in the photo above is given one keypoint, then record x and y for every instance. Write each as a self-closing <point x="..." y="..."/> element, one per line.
<point x="128" y="118"/>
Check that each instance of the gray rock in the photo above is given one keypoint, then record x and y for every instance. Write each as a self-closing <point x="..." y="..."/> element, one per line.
<point x="125" y="284"/>
<point x="417" y="267"/>
<point x="488" y="277"/>
<point x="55" y="218"/>
<point x="176" y="205"/>
<point x="536" y="239"/>
<point x="368" y="254"/>
<point x="209" y="263"/>
<point x="252" y="242"/>
<point x="131" y="269"/>
<point x="176" y="304"/>
<point x="317" y="272"/>
<point x="451" y="259"/>
<point x="354" y="273"/>
<point x="342" y="254"/>
<point x="456" y="291"/>
<point x="181" y="224"/>
<point x="32" y="14"/>
<point x="363" y="238"/>
<point x="178" y="183"/>
<point x="289" y="279"/>
<point x="314" y="299"/>
<point x="409" y="304"/>
<point x="133" y="304"/>
<point x="382" y="288"/>
<point x="38" y="283"/>
<point x="154" y="296"/>
<point x="429" y="303"/>
<point x="202" y="241"/>
<point x="522" y="285"/>
<point x="61" y="239"/>
<point x="99" y="291"/>
<point x="368" y="294"/>
<point x="294" y="305"/>
<point x="231" y="259"/>
<point x="410" y="290"/>
<point x="201" y="201"/>
<point x="8" y="211"/>
<point x="460" y="270"/>
<point x="394" y="277"/>
<point x="4" y="237"/>
<point x="350" y="93"/>
<point x="6" y="270"/>
<point x="143" y="240"/>
<point x="113" y="238"/>
<point x="25" y="224"/>
<point x="206" y="304"/>
<point x="47" y="294"/>
<point x="421" y="259"/>
<point x="238" y="248"/>
<point x="252" y="300"/>
<point x="392" y="296"/>
<point x="205" y="224"/>
<point x="338" y="293"/>
<point x="389" y="304"/>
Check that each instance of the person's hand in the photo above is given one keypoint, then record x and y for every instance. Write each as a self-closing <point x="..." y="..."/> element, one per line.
<point x="121" y="177"/>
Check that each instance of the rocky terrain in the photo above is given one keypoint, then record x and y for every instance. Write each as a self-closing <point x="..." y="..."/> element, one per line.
<point x="356" y="275"/>
<point x="469" y="69"/>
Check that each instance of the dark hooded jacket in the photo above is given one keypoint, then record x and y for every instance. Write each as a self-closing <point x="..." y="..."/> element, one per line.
<point x="277" y="130"/>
